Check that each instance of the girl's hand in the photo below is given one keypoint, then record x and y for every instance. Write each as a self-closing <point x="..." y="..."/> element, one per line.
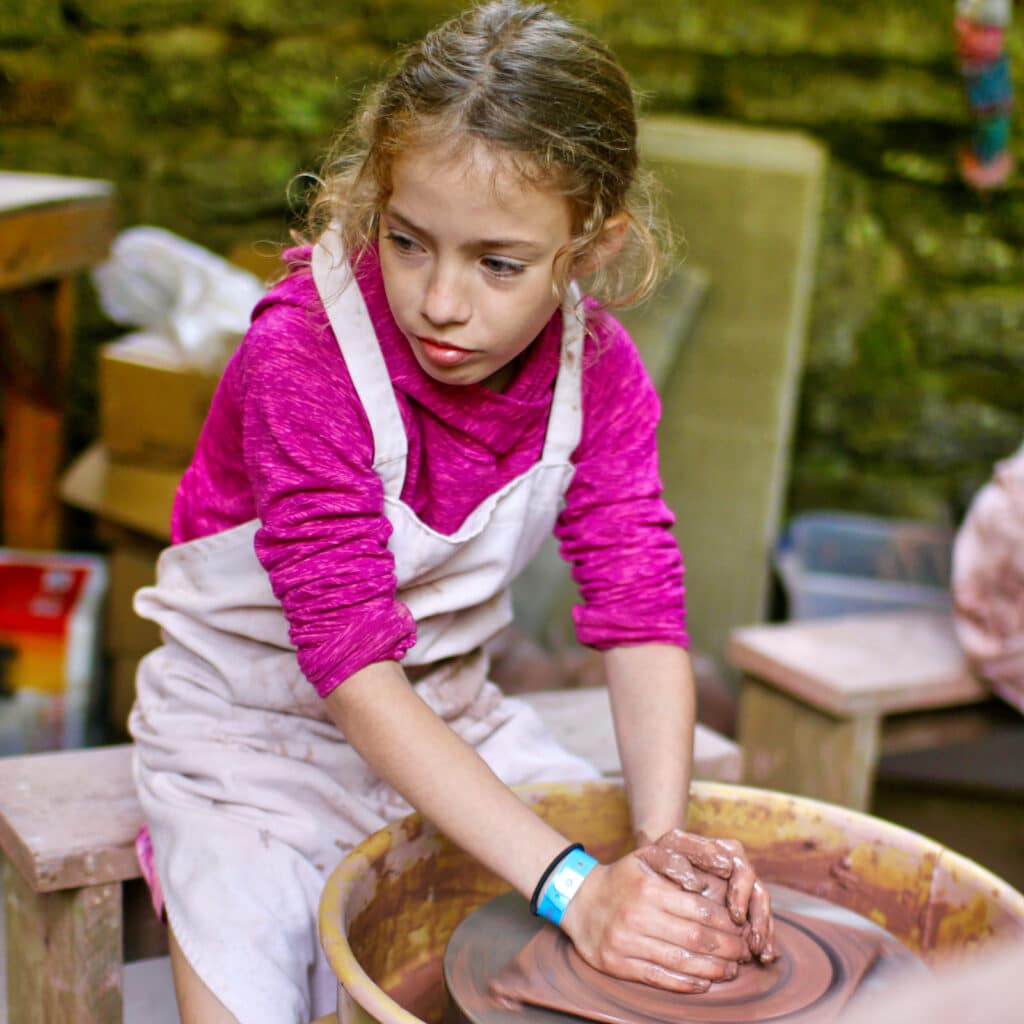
<point x="632" y="921"/>
<point x="697" y="863"/>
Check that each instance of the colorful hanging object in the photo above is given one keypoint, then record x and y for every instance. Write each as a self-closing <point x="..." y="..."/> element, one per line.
<point x="981" y="25"/>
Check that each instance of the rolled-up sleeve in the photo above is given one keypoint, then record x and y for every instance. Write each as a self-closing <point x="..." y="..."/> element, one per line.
<point x="616" y="530"/>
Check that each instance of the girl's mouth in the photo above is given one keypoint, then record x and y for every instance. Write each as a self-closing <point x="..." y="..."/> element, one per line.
<point x="441" y="353"/>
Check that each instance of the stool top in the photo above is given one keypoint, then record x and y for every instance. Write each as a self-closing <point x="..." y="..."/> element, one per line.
<point x="581" y="721"/>
<point x="69" y="818"/>
<point x="861" y="664"/>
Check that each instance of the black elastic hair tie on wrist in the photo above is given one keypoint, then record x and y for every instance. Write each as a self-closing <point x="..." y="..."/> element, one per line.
<point x="535" y="898"/>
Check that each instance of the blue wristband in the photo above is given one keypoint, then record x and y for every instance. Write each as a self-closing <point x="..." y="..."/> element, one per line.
<point x="563" y="884"/>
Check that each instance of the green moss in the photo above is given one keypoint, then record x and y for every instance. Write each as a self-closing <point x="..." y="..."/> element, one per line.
<point x="177" y="79"/>
<point x="885" y="348"/>
<point x="36" y="88"/>
<point x="184" y="45"/>
<point x="904" y="31"/>
<point x="933" y="432"/>
<point x="273" y="18"/>
<point x="856" y="488"/>
<point x="140" y="14"/>
<point x="988" y="386"/>
<point x="981" y="325"/>
<point x="399" y="22"/>
<point x="949" y="235"/>
<point x="305" y="86"/>
<point x="30" y="22"/>
<point x="818" y="92"/>
<point x="923" y="168"/>
<point x="35" y="148"/>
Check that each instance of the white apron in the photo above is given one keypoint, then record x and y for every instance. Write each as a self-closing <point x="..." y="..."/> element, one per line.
<point x="250" y="792"/>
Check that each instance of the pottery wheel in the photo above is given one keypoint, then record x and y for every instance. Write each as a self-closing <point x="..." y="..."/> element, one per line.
<point x="504" y="966"/>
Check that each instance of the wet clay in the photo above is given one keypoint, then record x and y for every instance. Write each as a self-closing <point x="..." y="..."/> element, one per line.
<point x="825" y="954"/>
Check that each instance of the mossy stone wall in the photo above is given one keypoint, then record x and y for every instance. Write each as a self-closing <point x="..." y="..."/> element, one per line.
<point x="203" y="111"/>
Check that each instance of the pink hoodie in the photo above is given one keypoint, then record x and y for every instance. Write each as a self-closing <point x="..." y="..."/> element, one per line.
<point x="286" y="441"/>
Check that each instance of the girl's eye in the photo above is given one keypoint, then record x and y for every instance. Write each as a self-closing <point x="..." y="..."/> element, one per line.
<point x="403" y="243"/>
<point x="502" y="267"/>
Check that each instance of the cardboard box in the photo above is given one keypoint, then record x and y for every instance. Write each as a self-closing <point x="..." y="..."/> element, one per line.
<point x="133" y="496"/>
<point x="151" y="407"/>
<point x="50" y="612"/>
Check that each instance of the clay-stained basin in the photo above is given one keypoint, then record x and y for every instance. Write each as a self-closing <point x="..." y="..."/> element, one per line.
<point x="389" y="907"/>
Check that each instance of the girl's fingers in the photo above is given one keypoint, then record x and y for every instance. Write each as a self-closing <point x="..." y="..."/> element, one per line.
<point x="689" y="922"/>
<point x="705" y="854"/>
<point x="658" y="976"/>
<point x="715" y="890"/>
<point x="698" y="936"/>
<point x="701" y="865"/>
<point x="691" y="861"/>
<point x="762" y="925"/>
<point x="631" y="920"/>
<point x="741" y="884"/>
<point x="677" y="867"/>
<point x="690" y="906"/>
<point x="769" y="953"/>
<point x="679" y="962"/>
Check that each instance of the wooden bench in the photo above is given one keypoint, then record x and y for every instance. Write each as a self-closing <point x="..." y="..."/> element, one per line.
<point x="821" y="700"/>
<point x="76" y="908"/>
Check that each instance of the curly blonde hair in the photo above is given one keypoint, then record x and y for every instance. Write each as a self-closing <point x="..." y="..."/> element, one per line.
<point x="522" y="80"/>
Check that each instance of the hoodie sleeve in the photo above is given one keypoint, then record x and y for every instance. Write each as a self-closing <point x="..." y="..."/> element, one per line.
<point x="616" y="530"/>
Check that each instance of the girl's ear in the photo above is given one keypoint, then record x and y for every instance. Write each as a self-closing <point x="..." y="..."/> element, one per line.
<point x="606" y="246"/>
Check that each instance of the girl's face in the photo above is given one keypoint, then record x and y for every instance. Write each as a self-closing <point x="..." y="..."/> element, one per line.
<point x="468" y="252"/>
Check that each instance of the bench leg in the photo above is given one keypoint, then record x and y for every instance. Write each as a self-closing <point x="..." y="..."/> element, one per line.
<point x="790" y="746"/>
<point x="64" y="953"/>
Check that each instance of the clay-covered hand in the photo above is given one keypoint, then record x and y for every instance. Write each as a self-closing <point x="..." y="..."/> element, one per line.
<point x="631" y="921"/>
<point x="721" y="870"/>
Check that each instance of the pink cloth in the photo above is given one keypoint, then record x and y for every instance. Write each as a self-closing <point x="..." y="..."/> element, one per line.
<point x="988" y="581"/>
<point x="147" y="865"/>
<point x="287" y="441"/>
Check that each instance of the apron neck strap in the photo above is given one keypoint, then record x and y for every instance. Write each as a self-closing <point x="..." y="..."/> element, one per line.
<point x="565" y="423"/>
<point x="357" y="339"/>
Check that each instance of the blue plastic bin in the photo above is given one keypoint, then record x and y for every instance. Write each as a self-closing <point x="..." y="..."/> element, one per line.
<point x="834" y="563"/>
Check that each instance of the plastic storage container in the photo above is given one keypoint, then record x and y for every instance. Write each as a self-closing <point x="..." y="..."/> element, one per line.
<point x="50" y="617"/>
<point x="833" y="563"/>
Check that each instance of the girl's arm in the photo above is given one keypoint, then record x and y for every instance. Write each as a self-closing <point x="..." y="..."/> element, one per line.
<point x="410" y="747"/>
<point x="627" y="918"/>
<point x="654" y="708"/>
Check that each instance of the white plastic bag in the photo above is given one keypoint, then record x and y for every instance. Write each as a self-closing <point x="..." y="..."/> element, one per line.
<point x="158" y="281"/>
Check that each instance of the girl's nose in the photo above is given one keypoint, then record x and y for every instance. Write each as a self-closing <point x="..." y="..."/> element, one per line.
<point x="445" y="300"/>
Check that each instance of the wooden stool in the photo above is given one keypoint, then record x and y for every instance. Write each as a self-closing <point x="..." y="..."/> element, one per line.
<point x="822" y="699"/>
<point x="67" y="828"/>
<point x="77" y="909"/>
<point x="51" y="228"/>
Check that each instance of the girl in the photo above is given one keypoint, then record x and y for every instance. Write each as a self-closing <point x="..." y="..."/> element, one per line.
<point x="413" y="408"/>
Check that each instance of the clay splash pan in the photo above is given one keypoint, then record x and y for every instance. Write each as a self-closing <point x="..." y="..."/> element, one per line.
<point x="503" y="966"/>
